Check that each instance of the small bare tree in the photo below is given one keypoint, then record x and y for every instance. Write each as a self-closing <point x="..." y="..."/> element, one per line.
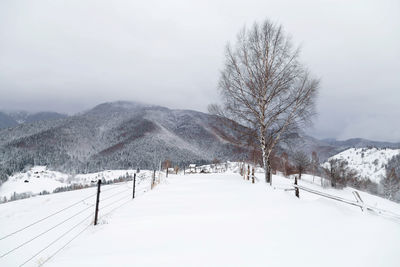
<point x="265" y="88"/>
<point x="315" y="165"/>
<point x="166" y="164"/>
<point x="339" y="173"/>
<point x="301" y="162"/>
<point x="176" y="169"/>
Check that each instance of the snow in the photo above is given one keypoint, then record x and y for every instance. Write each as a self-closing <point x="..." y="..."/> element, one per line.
<point x="368" y="162"/>
<point x="18" y="214"/>
<point x="41" y="179"/>
<point x="212" y="220"/>
<point x="34" y="181"/>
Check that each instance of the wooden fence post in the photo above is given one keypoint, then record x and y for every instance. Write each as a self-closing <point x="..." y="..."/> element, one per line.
<point x="134" y="185"/>
<point x="167" y="174"/>
<point x="153" y="179"/>
<point x="97" y="202"/>
<point x="252" y="176"/>
<point x="358" y="199"/>
<point x="296" y="189"/>
<point x="248" y="172"/>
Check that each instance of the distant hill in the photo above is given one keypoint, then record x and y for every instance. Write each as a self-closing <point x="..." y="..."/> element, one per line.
<point x="360" y="143"/>
<point x="328" y="147"/>
<point x="12" y="119"/>
<point x="369" y="163"/>
<point x="7" y="121"/>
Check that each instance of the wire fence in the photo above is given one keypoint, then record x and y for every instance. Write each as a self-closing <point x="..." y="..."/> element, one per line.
<point x="74" y="218"/>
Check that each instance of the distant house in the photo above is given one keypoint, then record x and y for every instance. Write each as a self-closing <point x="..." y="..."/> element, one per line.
<point x="192" y="166"/>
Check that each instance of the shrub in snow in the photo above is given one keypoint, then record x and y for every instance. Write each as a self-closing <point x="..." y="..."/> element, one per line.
<point x="338" y="172"/>
<point x="391" y="185"/>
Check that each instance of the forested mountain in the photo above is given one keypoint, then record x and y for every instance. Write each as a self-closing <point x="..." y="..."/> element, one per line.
<point x="115" y="136"/>
<point x="123" y="135"/>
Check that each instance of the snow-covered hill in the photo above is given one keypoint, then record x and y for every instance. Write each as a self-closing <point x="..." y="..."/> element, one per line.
<point x="40" y="180"/>
<point x="368" y="162"/>
<point x="201" y="220"/>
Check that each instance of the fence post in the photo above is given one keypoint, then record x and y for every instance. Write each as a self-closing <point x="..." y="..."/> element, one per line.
<point x="134" y="185"/>
<point x="296" y="189"/>
<point x="153" y="180"/>
<point x="248" y="172"/>
<point x="167" y="174"/>
<point x="252" y="175"/>
<point x="97" y="202"/>
<point x="184" y="169"/>
<point x="358" y="199"/>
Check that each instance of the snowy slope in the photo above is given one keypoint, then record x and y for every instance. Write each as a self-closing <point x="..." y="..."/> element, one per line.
<point x="210" y="220"/>
<point x="39" y="179"/>
<point x="70" y="212"/>
<point x="33" y="181"/>
<point x="368" y="162"/>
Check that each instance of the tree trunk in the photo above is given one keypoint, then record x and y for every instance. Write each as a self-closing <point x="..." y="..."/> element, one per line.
<point x="269" y="176"/>
<point x="266" y="170"/>
<point x="264" y="157"/>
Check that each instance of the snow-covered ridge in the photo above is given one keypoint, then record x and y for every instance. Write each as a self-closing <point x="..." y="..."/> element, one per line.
<point x="368" y="162"/>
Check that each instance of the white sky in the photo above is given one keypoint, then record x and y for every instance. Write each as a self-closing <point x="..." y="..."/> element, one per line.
<point x="70" y="55"/>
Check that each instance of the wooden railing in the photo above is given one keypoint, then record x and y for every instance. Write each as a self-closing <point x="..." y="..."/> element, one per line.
<point x="358" y="202"/>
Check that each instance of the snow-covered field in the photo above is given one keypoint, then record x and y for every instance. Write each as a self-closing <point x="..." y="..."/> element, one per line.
<point x="39" y="179"/>
<point x="204" y="220"/>
<point x="368" y="162"/>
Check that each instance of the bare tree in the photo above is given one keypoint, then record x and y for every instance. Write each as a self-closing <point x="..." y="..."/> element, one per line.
<point x="284" y="163"/>
<point x="265" y="88"/>
<point x="301" y="162"/>
<point x="331" y="171"/>
<point x="166" y="164"/>
<point x="176" y="169"/>
<point x="339" y="173"/>
<point x="315" y="165"/>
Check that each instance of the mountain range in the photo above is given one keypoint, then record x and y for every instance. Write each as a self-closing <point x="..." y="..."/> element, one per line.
<point x="121" y="135"/>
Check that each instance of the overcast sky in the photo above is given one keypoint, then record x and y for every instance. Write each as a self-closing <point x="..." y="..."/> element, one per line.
<point x="70" y="55"/>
